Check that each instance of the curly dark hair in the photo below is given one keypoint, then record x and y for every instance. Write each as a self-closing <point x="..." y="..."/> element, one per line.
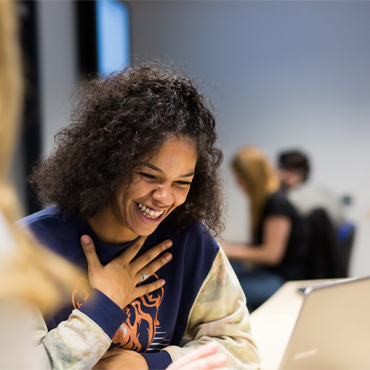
<point x="120" y="119"/>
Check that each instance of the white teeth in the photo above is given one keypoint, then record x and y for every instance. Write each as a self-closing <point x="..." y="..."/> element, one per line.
<point x="149" y="213"/>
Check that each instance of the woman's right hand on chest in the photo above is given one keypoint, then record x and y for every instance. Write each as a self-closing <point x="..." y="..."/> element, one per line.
<point x="119" y="279"/>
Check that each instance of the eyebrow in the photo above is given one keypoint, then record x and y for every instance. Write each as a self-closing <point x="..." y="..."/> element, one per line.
<point x="161" y="171"/>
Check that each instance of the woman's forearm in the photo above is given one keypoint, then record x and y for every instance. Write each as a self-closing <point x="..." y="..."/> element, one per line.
<point x="276" y="230"/>
<point x="253" y="254"/>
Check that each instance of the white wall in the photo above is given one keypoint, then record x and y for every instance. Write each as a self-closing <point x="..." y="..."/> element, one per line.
<point x="279" y="73"/>
<point x="58" y="64"/>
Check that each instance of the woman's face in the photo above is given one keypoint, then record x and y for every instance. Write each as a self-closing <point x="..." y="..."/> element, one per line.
<point x="156" y="190"/>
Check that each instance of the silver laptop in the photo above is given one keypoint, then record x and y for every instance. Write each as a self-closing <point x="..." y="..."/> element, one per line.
<point x="333" y="328"/>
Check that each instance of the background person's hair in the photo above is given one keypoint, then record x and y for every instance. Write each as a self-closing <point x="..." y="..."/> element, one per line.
<point x="119" y="121"/>
<point x="257" y="176"/>
<point x="10" y="83"/>
<point x="295" y="160"/>
<point x="28" y="270"/>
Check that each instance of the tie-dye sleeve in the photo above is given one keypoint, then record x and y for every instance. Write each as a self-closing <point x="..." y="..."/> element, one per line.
<point x="76" y="344"/>
<point x="219" y="314"/>
<point x="79" y="342"/>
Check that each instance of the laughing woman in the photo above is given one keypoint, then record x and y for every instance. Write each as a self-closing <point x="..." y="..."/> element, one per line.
<point x="138" y="167"/>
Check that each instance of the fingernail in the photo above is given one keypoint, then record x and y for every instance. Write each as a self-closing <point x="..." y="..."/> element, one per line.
<point x="168" y="243"/>
<point x="85" y="239"/>
<point x="162" y="282"/>
<point x="168" y="256"/>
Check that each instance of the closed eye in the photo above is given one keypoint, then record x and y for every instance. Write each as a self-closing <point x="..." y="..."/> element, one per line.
<point x="183" y="182"/>
<point x="146" y="175"/>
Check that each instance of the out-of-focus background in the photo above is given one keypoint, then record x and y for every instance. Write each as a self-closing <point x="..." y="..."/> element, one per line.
<point x="280" y="74"/>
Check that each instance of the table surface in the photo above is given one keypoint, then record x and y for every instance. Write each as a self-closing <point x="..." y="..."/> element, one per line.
<point x="273" y="322"/>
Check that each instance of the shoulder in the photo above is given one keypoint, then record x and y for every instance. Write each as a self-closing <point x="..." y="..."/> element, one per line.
<point x="46" y="216"/>
<point x="278" y="204"/>
<point x="49" y="220"/>
<point x="51" y="228"/>
<point x="195" y="233"/>
<point x="277" y="198"/>
<point x="194" y="241"/>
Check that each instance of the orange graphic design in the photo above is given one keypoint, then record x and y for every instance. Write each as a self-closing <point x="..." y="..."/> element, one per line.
<point x="138" y="332"/>
<point x="81" y="293"/>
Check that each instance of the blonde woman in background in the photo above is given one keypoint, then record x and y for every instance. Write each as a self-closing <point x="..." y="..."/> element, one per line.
<point x="278" y="249"/>
<point x="32" y="279"/>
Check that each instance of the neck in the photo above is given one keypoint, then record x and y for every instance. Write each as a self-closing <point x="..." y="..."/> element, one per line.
<point x="295" y="184"/>
<point x="109" y="230"/>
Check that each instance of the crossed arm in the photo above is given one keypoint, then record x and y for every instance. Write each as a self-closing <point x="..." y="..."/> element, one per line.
<point x="203" y="358"/>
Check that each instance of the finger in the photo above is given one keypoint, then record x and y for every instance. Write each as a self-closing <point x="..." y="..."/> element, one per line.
<point x="150" y="255"/>
<point x="148" y="288"/>
<point x="207" y="363"/>
<point x="203" y="351"/>
<point x="129" y="253"/>
<point x="154" y="266"/>
<point x="89" y="250"/>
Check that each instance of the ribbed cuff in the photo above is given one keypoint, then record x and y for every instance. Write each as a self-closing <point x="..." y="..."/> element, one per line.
<point x="104" y="312"/>
<point x="158" y="361"/>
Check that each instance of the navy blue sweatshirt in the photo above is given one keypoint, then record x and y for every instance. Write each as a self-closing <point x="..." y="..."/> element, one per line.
<point x="154" y="324"/>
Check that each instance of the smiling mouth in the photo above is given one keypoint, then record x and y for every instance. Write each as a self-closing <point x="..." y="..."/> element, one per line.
<point x="148" y="212"/>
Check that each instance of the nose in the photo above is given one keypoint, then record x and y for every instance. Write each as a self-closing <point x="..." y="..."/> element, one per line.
<point x="163" y="195"/>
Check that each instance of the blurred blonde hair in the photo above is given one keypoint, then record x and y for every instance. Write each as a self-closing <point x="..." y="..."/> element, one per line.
<point x="257" y="177"/>
<point x="10" y="84"/>
<point x="29" y="271"/>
